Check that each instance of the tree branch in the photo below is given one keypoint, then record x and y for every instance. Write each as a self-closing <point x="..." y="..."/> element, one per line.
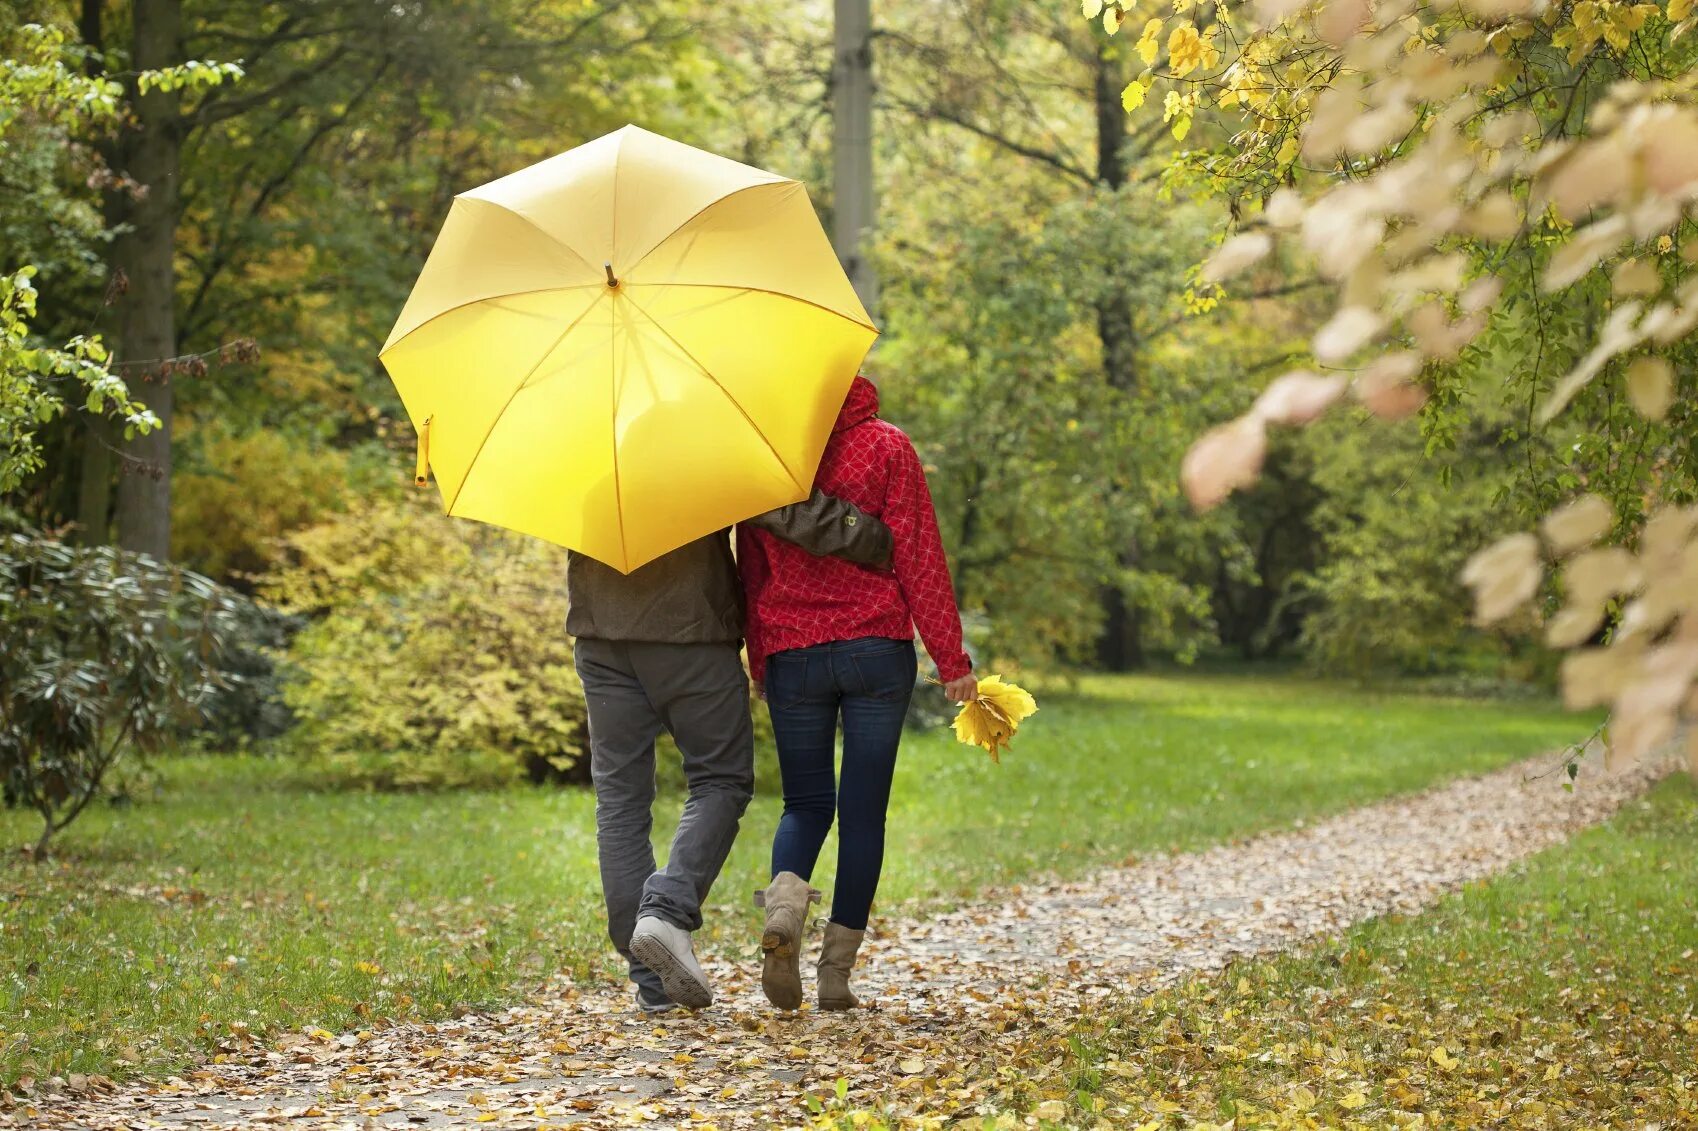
<point x="214" y="109"/>
<point x="941" y="114"/>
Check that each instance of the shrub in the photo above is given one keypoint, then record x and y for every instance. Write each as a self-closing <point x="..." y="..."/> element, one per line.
<point x="106" y="653"/>
<point x="437" y="655"/>
<point x="249" y="707"/>
<point x="231" y="505"/>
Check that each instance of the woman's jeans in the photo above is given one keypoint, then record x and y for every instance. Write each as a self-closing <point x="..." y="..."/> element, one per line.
<point x="868" y="682"/>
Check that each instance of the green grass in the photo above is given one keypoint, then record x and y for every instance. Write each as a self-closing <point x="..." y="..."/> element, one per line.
<point x="232" y="898"/>
<point x="1562" y="995"/>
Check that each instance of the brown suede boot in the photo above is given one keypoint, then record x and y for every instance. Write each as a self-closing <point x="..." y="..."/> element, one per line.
<point x="786" y="901"/>
<point x="837" y="958"/>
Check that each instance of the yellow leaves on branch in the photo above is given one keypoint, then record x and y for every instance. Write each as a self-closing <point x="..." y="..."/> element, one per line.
<point x="1648" y="671"/>
<point x="1236" y="254"/>
<point x="1187" y="50"/>
<point x="1503" y="576"/>
<point x="1149" y="43"/>
<point x="1111" y="13"/>
<point x="1177" y="108"/>
<point x="1650" y="387"/>
<point x="1230" y="456"/>
<point x="1226" y="458"/>
<point x="1133" y="96"/>
<point x="992" y="719"/>
<point x="1613" y="23"/>
<point x="1412" y="101"/>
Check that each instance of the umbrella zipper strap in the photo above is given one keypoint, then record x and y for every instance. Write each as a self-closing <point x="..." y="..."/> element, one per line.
<point x="421" y="474"/>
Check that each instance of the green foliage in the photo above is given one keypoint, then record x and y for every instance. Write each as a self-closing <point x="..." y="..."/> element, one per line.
<point x="1043" y="470"/>
<point x="29" y="372"/>
<point x="106" y="653"/>
<point x="247" y="710"/>
<point x="438" y="653"/>
<point x="1395" y="529"/>
<point x="45" y="100"/>
<point x="196" y="74"/>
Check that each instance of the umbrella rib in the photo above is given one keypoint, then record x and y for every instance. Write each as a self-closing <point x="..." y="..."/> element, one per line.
<point x="543" y="232"/>
<point x="472" y="464"/>
<point x="766" y="291"/>
<point x="613" y="393"/>
<point x="696" y="215"/>
<point x="735" y="403"/>
<point x="613" y="242"/>
<point x="485" y="298"/>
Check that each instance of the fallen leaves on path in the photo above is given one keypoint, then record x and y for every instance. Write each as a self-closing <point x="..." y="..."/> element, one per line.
<point x="971" y="1014"/>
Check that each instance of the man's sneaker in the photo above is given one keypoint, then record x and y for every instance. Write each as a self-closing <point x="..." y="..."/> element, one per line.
<point x="665" y="949"/>
<point x="654" y="1005"/>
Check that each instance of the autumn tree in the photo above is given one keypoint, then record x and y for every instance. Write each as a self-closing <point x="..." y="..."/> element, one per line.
<point x="1469" y="177"/>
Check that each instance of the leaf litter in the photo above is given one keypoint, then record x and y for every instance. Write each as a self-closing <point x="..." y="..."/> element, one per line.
<point x="970" y="1011"/>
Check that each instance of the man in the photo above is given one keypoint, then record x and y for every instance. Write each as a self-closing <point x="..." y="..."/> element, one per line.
<point x="658" y="649"/>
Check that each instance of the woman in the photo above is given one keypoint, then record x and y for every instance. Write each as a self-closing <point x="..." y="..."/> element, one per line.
<point x="829" y="640"/>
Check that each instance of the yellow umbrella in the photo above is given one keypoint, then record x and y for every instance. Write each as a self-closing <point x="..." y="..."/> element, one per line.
<point x="627" y="346"/>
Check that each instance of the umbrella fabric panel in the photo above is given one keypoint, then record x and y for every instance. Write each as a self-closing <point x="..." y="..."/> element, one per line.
<point x="613" y="199"/>
<point x="485" y="251"/>
<point x="786" y="364"/>
<point x="567" y="199"/>
<point x="463" y="368"/>
<point x="764" y="238"/>
<point x="625" y="452"/>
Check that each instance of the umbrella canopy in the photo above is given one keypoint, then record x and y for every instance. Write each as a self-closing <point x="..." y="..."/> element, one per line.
<point x="627" y="346"/>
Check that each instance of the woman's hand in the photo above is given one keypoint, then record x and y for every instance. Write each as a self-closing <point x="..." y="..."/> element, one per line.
<point x="962" y="690"/>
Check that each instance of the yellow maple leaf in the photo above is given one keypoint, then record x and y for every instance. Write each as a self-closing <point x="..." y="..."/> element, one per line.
<point x="991" y="719"/>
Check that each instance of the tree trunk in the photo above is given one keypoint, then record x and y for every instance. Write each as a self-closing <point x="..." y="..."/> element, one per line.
<point x="1120" y="646"/>
<point x="149" y="151"/>
<point x="1114" y="309"/>
<point x="94" y="489"/>
<point x="852" y="144"/>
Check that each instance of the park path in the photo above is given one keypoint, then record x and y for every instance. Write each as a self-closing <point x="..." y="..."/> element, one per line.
<point x="983" y="984"/>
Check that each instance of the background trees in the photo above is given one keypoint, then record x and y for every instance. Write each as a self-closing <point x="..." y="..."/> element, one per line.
<point x="242" y="228"/>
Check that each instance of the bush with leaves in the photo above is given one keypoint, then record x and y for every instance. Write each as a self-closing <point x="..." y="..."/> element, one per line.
<point x="236" y="493"/>
<point x="248" y="710"/>
<point x="107" y="653"/>
<point x="437" y="653"/>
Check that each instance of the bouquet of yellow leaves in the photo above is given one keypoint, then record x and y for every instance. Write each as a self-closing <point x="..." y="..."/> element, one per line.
<point x="991" y="719"/>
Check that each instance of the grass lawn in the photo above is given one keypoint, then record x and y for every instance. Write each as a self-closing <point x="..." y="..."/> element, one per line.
<point x="1560" y="996"/>
<point x="235" y="899"/>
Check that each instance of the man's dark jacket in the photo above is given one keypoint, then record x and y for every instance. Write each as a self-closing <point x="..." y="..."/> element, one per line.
<point x="692" y="595"/>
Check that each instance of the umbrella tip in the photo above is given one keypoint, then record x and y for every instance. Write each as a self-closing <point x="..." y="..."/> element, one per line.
<point x="611" y="281"/>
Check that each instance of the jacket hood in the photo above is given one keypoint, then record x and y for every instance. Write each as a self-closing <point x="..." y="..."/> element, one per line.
<point x="859" y="406"/>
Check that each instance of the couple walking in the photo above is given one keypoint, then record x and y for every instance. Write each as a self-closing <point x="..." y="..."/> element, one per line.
<point x="826" y="594"/>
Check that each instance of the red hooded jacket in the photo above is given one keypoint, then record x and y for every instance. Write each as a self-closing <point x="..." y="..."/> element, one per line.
<point x="796" y="599"/>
